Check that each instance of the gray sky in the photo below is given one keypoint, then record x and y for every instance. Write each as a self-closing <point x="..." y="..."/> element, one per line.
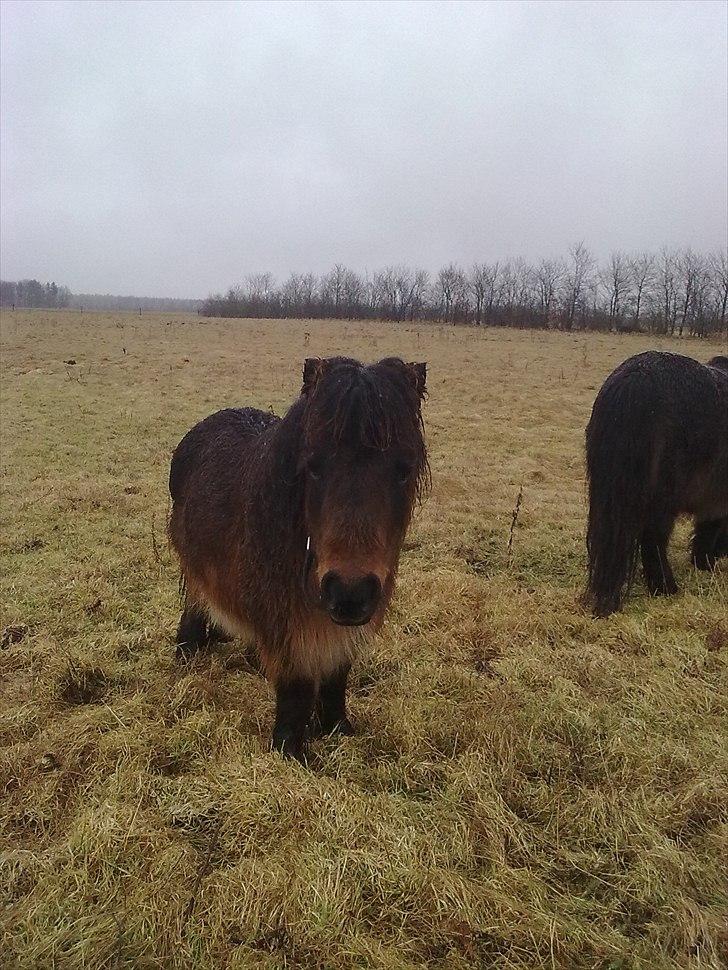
<point x="165" y="148"/>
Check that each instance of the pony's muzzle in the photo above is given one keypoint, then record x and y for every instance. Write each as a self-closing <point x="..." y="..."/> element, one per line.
<point x="350" y="601"/>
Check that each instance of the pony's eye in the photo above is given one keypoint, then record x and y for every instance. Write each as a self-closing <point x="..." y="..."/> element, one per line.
<point x="403" y="471"/>
<point x="315" y="468"/>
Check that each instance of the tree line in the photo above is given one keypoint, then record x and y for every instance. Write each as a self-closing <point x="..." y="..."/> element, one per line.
<point x="30" y="294"/>
<point x="671" y="292"/>
<point x="105" y="301"/>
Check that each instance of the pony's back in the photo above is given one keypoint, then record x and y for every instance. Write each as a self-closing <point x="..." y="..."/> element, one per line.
<point x="220" y="437"/>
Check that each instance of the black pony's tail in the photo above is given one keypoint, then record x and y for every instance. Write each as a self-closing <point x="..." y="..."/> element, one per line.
<point x="620" y="451"/>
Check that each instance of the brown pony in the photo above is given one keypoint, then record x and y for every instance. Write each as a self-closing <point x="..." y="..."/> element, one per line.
<point x="289" y="530"/>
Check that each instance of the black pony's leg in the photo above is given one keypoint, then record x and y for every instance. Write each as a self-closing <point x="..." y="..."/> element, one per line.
<point x="331" y="705"/>
<point x="658" y="573"/>
<point x="721" y="543"/>
<point x="709" y="540"/>
<point x="191" y="632"/>
<point x="294" y="705"/>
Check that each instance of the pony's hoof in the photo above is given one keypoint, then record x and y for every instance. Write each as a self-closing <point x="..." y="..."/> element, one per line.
<point x="344" y="727"/>
<point x="185" y="652"/>
<point x="290" y="746"/>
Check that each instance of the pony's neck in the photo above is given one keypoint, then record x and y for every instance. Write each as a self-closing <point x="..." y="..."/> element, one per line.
<point x="281" y="487"/>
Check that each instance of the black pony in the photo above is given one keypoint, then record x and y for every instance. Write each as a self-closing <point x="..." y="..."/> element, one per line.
<point x="656" y="447"/>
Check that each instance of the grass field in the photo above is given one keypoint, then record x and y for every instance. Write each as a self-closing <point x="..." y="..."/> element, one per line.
<point x="528" y="787"/>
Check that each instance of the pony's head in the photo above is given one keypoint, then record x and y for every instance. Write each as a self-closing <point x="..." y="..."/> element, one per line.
<point x="364" y="463"/>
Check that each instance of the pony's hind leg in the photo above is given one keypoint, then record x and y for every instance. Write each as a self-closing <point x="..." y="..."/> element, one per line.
<point x="331" y="704"/>
<point x="295" y="699"/>
<point x="658" y="572"/>
<point x="216" y="634"/>
<point x="192" y="635"/>
<point x="708" y="544"/>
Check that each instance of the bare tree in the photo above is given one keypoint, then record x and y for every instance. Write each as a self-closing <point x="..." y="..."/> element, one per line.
<point x="257" y="289"/>
<point x="515" y="280"/>
<point x="616" y="279"/>
<point x="576" y="277"/>
<point x="258" y="285"/>
<point x="523" y="291"/>
<point x="688" y="269"/>
<point x="373" y="289"/>
<point x="394" y="281"/>
<point x="308" y="293"/>
<point x="642" y="272"/>
<point x="419" y="293"/>
<point x="404" y="291"/>
<point x="332" y="290"/>
<point x="292" y="296"/>
<point x="547" y="277"/>
<point x="451" y="293"/>
<point x="445" y="291"/>
<point x="719" y="273"/>
<point x="666" y="294"/>
<point x="492" y="279"/>
<point x="481" y="285"/>
<point x="353" y="295"/>
<point x="478" y="283"/>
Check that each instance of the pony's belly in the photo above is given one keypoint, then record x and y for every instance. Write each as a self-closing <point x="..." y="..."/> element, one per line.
<point x="233" y="622"/>
<point x="234" y="626"/>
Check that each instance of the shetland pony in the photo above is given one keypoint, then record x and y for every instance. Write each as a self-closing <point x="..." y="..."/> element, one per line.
<point x="656" y="447"/>
<point x="289" y="530"/>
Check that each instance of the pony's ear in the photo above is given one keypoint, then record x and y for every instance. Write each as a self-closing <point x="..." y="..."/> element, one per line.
<point x="313" y="368"/>
<point x="419" y="373"/>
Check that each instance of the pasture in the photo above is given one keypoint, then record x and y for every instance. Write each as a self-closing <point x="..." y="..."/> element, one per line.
<point x="528" y="786"/>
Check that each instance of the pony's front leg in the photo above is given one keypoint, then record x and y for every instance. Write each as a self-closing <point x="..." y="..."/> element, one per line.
<point x="295" y="697"/>
<point x="331" y="705"/>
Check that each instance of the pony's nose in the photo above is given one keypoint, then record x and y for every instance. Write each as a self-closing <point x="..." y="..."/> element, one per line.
<point x="350" y="602"/>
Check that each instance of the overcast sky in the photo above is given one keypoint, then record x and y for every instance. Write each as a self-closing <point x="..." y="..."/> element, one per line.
<point x="168" y="149"/>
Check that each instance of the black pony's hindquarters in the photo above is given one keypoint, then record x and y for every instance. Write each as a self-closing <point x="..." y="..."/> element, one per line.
<point x="607" y="586"/>
<point x="620" y="453"/>
<point x="656" y="446"/>
<point x="613" y="544"/>
<point x="607" y="575"/>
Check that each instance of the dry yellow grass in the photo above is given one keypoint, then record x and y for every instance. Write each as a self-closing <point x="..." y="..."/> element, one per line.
<point x="528" y="787"/>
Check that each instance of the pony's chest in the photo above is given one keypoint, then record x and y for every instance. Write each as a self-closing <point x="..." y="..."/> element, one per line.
<point x="318" y="647"/>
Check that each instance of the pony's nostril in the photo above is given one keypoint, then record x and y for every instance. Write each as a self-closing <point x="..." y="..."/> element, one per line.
<point x="369" y="590"/>
<point x="350" y="601"/>
<point x="329" y="589"/>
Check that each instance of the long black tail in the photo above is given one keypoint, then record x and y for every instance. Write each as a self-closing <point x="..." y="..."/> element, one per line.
<point x="620" y="456"/>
